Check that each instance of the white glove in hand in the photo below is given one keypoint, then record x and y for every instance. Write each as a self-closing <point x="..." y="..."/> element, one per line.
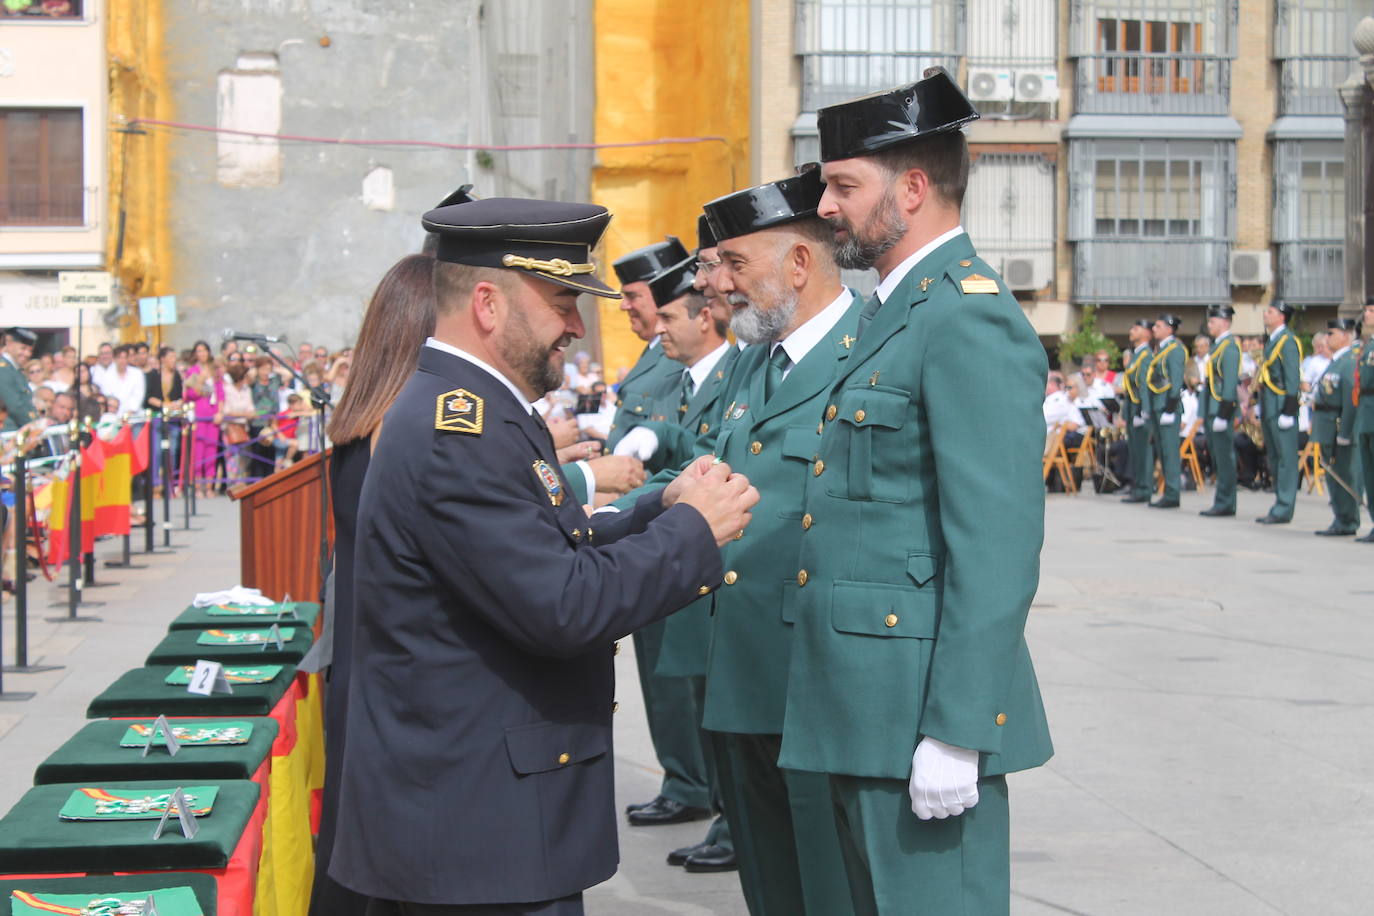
<point x="1220" y="424"/>
<point x="1342" y="441"/>
<point x="1138" y="420"/>
<point x="640" y="442"/>
<point x="944" y="779"/>
<point x="1286" y="422"/>
<point x="1167" y="419"/>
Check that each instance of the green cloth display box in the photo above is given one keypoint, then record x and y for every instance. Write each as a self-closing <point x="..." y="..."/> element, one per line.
<point x="180" y="647"/>
<point x="142" y="692"/>
<point x="34" y="840"/>
<point x="199" y="618"/>
<point x="124" y="885"/>
<point x="93" y="755"/>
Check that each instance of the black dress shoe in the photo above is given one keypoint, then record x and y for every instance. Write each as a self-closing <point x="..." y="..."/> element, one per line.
<point x="1136" y="499"/>
<point x="666" y="811"/>
<point x="655" y="800"/>
<point x="1272" y="520"/>
<point x="711" y="858"/>
<point x="1368" y="538"/>
<point x="1214" y="512"/>
<point x="1164" y="504"/>
<point x="1335" y="531"/>
<point x="680" y="856"/>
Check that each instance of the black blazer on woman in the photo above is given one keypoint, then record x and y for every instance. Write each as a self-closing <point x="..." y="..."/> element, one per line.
<point x="154" y="388"/>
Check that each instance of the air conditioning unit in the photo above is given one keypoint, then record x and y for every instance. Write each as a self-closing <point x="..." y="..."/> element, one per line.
<point x="1025" y="272"/>
<point x="1252" y="268"/>
<point x="1036" y="86"/>
<point x="986" y="85"/>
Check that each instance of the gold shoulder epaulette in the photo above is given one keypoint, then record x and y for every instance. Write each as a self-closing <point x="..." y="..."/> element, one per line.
<point x="977" y="283"/>
<point x="459" y="411"/>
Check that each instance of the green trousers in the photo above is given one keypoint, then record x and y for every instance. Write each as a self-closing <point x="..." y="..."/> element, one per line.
<point x="1166" y="443"/>
<point x="1341" y="462"/>
<point x="1281" y="453"/>
<point x="718" y="834"/>
<point x="1365" y="441"/>
<point x="900" y="865"/>
<point x="673" y="719"/>
<point x="783" y="824"/>
<point x="1141" y="458"/>
<point x="1222" y="447"/>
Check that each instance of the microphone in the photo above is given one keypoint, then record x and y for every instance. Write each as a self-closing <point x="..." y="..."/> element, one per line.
<point x="231" y="334"/>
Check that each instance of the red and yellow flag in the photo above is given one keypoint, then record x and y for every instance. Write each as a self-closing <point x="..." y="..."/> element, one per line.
<point x="115" y="492"/>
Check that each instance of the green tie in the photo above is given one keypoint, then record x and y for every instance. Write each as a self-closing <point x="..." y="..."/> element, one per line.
<point x="686" y="396"/>
<point x="777" y="363"/>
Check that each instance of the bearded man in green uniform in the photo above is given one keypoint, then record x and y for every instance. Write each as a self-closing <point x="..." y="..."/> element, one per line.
<point x="1278" y="377"/>
<point x="1164" y="382"/>
<point x="910" y="683"/>
<point x="1334" y="427"/>
<point x="1135" y="412"/>
<point x="1365" y="419"/>
<point x="1218" y="407"/>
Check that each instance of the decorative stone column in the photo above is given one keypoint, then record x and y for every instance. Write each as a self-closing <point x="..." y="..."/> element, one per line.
<point x="1357" y="94"/>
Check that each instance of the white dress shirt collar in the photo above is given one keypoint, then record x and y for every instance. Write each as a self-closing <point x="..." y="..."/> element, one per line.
<point x="703" y="368"/>
<point x="801" y="341"/>
<point x="889" y="283"/>
<point x="1338" y="354"/>
<point x="463" y="354"/>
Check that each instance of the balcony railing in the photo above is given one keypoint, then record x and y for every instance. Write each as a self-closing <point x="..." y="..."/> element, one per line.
<point x="1312" y="273"/>
<point x="828" y="78"/>
<point x="1307" y="85"/>
<point x="1182" y="271"/>
<point x="1139" y="83"/>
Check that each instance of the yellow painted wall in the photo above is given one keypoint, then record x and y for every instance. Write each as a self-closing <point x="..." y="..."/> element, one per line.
<point x="139" y="175"/>
<point x="665" y="69"/>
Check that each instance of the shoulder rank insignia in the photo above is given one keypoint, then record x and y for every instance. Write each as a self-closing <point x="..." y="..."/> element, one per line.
<point x="548" y="477"/>
<point x="459" y="411"/>
<point x="977" y="283"/>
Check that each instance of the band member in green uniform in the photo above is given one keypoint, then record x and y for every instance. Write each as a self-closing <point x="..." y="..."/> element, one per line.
<point x="1164" y="382"/>
<point x="1135" y="412"/>
<point x="1334" y="428"/>
<point x="910" y="682"/>
<point x="14" y="386"/>
<point x="1279" y="375"/>
<point x="1218" y="407"/>
<point x="1365" y="433"/>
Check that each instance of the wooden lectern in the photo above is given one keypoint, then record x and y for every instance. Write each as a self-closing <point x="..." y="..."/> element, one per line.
<point x="279" y="532"/>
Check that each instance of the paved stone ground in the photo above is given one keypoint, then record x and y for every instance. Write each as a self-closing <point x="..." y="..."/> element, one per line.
<point x="1209" y="682"/>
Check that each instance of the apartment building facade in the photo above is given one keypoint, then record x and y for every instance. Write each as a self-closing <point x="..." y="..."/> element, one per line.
<point x="1134" y="155"/>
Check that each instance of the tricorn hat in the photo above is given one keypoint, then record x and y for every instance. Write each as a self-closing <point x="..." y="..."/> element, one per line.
<point x="674" y="282"/>
<point x="706" y="238"/>
<point x="1342" y="324"/>
<point x="1170" y="319"/>
<point x="792" y="198"/>
<point x="643" y="264"/>
<point x="1284" y="308"/>
<point x="1220" y="311"/>
<point x="875" y="122"/>
<point x="547" y="239"/>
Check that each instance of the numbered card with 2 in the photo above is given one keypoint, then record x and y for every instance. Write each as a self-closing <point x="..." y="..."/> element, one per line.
<point x="182" y="675"/>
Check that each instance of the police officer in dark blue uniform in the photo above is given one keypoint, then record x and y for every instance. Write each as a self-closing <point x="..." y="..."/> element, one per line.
<point x="478" y="773"/>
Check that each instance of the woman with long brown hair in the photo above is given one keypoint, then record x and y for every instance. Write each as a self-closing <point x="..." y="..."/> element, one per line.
<point x="398" y="321"/>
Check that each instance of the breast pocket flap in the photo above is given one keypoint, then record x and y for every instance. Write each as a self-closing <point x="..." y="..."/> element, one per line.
<point x="800" y="442"/>
<point x="874" y="406"/>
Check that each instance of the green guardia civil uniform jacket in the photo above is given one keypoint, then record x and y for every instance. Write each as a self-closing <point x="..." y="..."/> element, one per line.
<point x="1365" y="359"/>
<point x="1223" y="375"/>
<point x="1136" y="399"/>
<point x="1280" y="375"/>
<point x="1333" y="404"/>
<point x="1164" y="379"/>
<point x="18" y="397"/>
<point x="926" y="516"/>
<point x="641" y="394"/>
<point x="678" y="430"/>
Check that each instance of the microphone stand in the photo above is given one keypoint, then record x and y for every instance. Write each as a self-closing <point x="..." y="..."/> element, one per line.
<point x="319" y="399"/>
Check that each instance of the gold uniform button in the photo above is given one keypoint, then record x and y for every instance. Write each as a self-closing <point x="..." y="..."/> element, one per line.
<point x="739" y="534"/>
<point x="802" y="578"/>
<point x="639" y="408"/>
<point x="577" y="534"/>
<point x="589" y="535"/>
<point x="563" y="759"/>
<point x="615" y="648"/>
<point x="1001" y="718"/>
<point x="701" y="430"/>
<point x="830" y="412"/>
<point x="613" y="426"/>
<point x="820" y="466"/>
<point x="820" y="428"/>
<point x="704" y="590"/>
<point x="965" y="263"/>
<point x="807" y="521"/>
<point x="615" y="707"/>
<point x="859" y="416"/>
<point x="755" y="447"/>
<point x="890" y="620"/>
<point x="619" y="401"/>
<point x="731" y="577"/>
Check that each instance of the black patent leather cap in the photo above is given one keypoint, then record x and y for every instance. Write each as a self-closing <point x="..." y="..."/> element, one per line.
<point x="792" y="198"/>
<point x="1343" y="324"/>
<point x="643" y="264"/>
<point x="706" y="236"/>
<point x="875" y="122"/>
<point x="1220" y="311"/>
<point x="1170" y="319"/>
<point x="674" y="282"/>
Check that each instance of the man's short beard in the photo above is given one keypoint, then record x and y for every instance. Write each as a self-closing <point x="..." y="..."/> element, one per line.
<point x="527" y="359"/>
<point x="755" y="325"/>
<point x="882" y="230"/>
